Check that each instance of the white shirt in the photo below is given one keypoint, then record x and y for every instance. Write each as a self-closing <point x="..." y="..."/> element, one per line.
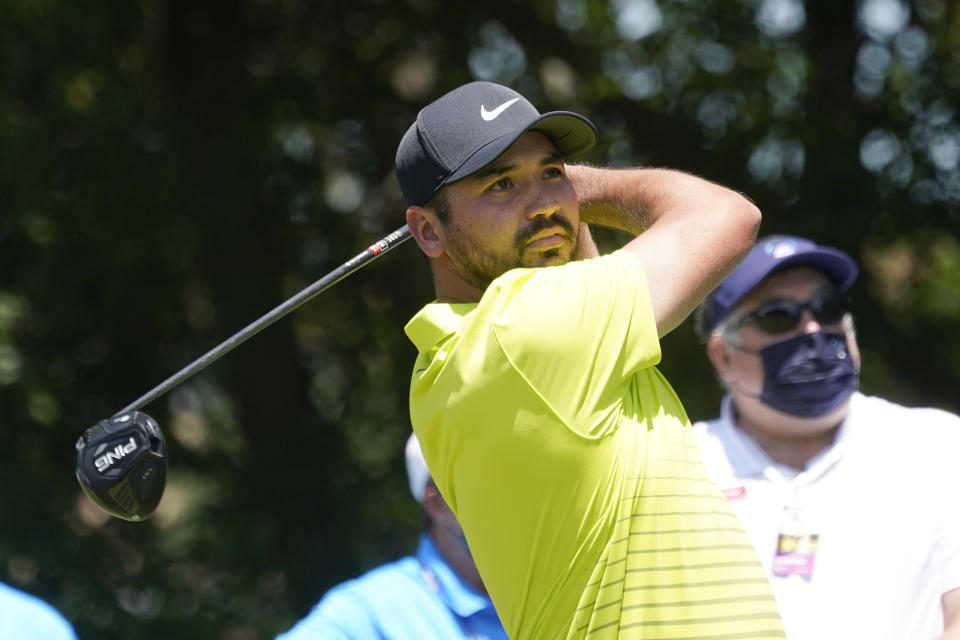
<point x="884" y="503"/>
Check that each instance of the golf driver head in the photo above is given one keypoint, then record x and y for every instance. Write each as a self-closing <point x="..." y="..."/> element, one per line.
<point x="121" y="465"/>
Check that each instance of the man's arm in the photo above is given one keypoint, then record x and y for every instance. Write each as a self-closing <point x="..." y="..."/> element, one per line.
<point x="338" y="616"/>
<point x="690" y="232"/>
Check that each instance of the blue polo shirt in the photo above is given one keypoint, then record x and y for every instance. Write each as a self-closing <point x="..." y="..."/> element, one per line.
<point x="25" y="616"/>
<point x="415" y="598"/>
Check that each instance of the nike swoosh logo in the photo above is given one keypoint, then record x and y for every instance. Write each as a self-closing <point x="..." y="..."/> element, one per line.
<point x="492" y="115"/>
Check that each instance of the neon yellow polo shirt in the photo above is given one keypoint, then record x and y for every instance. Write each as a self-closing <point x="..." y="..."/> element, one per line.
<point x="571" y="465"/>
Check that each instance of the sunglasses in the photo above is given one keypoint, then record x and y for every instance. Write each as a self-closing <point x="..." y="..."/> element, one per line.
<point x="781" y="316"/>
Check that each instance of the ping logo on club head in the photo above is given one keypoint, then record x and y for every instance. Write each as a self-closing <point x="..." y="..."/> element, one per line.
<point x="119" y="451"/>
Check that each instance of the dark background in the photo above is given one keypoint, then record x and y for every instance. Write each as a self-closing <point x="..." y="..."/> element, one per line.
<point x="171" y="170"/>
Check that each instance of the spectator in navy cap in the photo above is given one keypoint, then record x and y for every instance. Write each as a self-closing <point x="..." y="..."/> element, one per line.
<point x="848" y="499"/>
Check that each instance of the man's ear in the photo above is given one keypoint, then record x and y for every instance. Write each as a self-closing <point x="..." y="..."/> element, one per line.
<point x="424" y="225"/>
<point x="852" y="343"/>
<point x="719" y="357"/>
<point x="434" y="504"/>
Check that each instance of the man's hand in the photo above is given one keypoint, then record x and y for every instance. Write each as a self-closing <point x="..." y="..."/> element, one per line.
<point x="690" y="232"/>
<point x="586" y="247"/>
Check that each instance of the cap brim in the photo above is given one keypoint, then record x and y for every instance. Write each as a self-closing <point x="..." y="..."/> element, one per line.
<point x="570" y="132"/>
<point x="836" y="265"/>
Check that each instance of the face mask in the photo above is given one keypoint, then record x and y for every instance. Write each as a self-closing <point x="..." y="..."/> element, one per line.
<point x="808" y="375"/>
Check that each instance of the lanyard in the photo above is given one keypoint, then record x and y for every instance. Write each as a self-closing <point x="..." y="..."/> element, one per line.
<point x="797" y="537"/>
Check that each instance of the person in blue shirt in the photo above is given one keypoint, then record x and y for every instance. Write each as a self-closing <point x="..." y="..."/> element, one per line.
<point x="25" y="616"/>
<point x="436" y="593"/>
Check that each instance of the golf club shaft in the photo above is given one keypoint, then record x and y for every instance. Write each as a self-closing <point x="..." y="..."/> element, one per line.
<point x="341" y="272"/>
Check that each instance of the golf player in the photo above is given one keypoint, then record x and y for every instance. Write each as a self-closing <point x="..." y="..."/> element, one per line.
<point x="564" y="454"/>
<point x="850" y="500"/>
<point x="435" y="595"/>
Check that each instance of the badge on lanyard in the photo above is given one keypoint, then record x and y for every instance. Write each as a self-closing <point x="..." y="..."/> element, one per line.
<point x="796" y="546"/>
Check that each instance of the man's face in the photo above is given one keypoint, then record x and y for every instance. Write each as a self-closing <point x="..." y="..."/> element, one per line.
<point x="801" y="285"/>
<point x="736" y="357"/>
<point x="520" y="211"/>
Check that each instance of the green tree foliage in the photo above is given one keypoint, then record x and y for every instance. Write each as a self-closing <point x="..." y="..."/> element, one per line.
<point x="169" y="171"/>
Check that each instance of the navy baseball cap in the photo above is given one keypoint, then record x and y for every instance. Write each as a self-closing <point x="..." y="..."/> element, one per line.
<point x="770" y="254"/>
<point x="468" y="128"/>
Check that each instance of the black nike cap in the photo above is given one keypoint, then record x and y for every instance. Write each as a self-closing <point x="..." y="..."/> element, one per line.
<point x="466" y="129"/>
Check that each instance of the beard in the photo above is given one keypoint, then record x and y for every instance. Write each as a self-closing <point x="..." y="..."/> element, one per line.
<point x="481" y="266"/>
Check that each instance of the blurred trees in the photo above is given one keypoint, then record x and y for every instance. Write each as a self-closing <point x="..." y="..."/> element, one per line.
<point x="170" y="171"/>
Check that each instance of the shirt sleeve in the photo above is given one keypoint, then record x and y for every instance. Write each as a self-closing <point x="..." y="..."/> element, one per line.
<point x="947" y="552"/>
<point x="338" y="616"/>
<point x="577" y="333"/>
<point x="23" y="615"/>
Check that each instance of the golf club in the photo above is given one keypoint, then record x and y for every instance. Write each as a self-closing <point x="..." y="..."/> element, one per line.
<point x="121" y="462"/>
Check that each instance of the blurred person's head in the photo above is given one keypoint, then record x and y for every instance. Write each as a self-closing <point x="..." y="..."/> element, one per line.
<point x="781" y="339"/>
<point x="438" y="519"/>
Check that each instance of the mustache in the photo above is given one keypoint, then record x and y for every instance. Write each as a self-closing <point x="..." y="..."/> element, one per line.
<point x="541" y="223"/>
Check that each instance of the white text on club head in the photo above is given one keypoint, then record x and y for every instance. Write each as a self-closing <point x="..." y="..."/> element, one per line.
<point x="105" y="461"/>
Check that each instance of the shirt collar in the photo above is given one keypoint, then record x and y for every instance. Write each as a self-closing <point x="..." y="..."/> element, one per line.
<point x="460" y="597"/>
<point x="746" y="455"/>
<point x="751" y="460"/>
<point x="436" y="321"/>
